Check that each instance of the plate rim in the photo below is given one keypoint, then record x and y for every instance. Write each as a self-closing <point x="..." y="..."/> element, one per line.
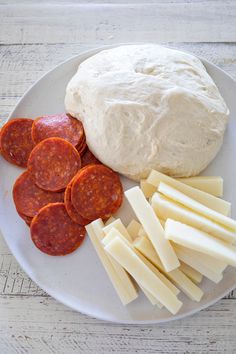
<point x="50" y="292"/>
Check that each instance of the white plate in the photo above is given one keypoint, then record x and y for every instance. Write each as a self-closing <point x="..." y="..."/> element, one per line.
<point x="79" y="280"/>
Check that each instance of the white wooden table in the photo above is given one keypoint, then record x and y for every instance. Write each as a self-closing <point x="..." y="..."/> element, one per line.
<point x="34" y="37"/>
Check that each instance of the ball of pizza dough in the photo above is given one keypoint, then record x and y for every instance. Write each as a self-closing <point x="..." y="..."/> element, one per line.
<point x="148" y="107"/>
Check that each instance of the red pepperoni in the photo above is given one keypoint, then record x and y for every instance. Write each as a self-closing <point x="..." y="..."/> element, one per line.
<point x="53" y="231"/>
<point x="88" y="158"/>
<point x="59" y="125"/>
<point x="53" y="163"/>
<point x="96" y="192"/>
<point x="29" y="198"/>
<point x="27" y="219"/>
<point x="82" y="147"/>
<point x="16" y="142"/>
<point x="74" y="215"/>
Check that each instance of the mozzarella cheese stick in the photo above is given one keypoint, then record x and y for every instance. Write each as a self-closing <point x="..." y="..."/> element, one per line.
<point x="209" y="184"/>
<point x="210" y="267"/>
<point x="166" y="208"/>
<point x="98" y="227"/>
<point x="214" y="264"/>
<point x="193" y="261"/>
<point x="127" y="258"/>
<point x="151" y="298"/>
<point x="133" y="228"/>
<point x="193" y="274"/>
<point x="110" y="220"/>
<point x="192" y="204"/>
<point x="152" y="227"/>
<point x="117" y="224"/>
<point x="144" y="246"/>
<point x="110" y="236"/>
<point x="165" y="280"/>
<point x="113" y="233"/>
<point x="120" y="287"/>
<point x="200" y="241"/>
<point x="219" y="205"/>
<point x="147" y="188"/>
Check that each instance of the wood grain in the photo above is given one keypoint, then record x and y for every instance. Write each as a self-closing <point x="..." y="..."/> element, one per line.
<point x="48" y="327"/>
<point x="34" y="37"/>
<point x="185" y="21"/>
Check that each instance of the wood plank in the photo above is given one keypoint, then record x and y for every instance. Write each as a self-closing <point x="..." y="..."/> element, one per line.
<point x="30" y="325"/>
<point x="82" y="23"/>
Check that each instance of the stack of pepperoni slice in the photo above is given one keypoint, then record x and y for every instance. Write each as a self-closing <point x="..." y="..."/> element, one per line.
<point x="64" y="187"/>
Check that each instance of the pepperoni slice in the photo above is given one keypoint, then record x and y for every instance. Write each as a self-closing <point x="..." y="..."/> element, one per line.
<point x="16" y="142"/>
<point x="82" y="147"/>
<point x="53" y="163"/>
<point x="74" y="215"/>
<point x="27" y="219"/>
<point x="59" y="125"/>
<point x="88" y="158"/>
<point x="53" y="231"/>
<point x="96" y="192"/>
<point x="29" y="198"/>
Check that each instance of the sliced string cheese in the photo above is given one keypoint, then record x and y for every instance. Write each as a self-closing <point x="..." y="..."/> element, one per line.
<point x="127" y="258"/>
<point x="166" y="208"/>
<point x="98" y="226"/>
<point x="192" y="273"/>
<point x="209" y="184"/>
<point x="133" y="228"/>
<point x="110" y="236"/>
<point x="117" y="224"/>
<point x="147" y="188"/>
<point x="200" y="241"/>
<point x="152" y="227"/>
<point x="110" y="220"/>
<point x="113" y="233"/>
<point x="151" y="298"/>
<point x="120" y="287"/>
<point x="193" y="261"/>
<point x="215" y="264"/>
<point x="207" y="199"/>
<point x="144" y="246"/>
<point x="199" y="208"/>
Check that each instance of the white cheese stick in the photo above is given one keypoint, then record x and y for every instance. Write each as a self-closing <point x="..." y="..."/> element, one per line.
<point x="209" y="266"/>
<point x="144" y="246"/>
<point x="209" y="184"/>
<point x="200" y="241"/>
<point x="127" y="258"/>
<point x="152" y="227"/>
<point x="98" y="227"/>
<point x="151" y="298"/>
<point x="147" y="188"/>
<point x="207" y="199"/>
<point x="142" y="233"/>
<point x="166" y="208"/>
<point x="166" y="281"/>
<point x="193" y="274"/>
<point x="110" y="220"/>
<point x="133" y="229"/>
<point x="113" y="233"/>
<point x="117" y="224"/>
<point x="192" y="260"/>
<point x="119" y="286"/>
<point x="216" y="265"/>
<point x="192" y="204"/>
<point x="110" y="236"/>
